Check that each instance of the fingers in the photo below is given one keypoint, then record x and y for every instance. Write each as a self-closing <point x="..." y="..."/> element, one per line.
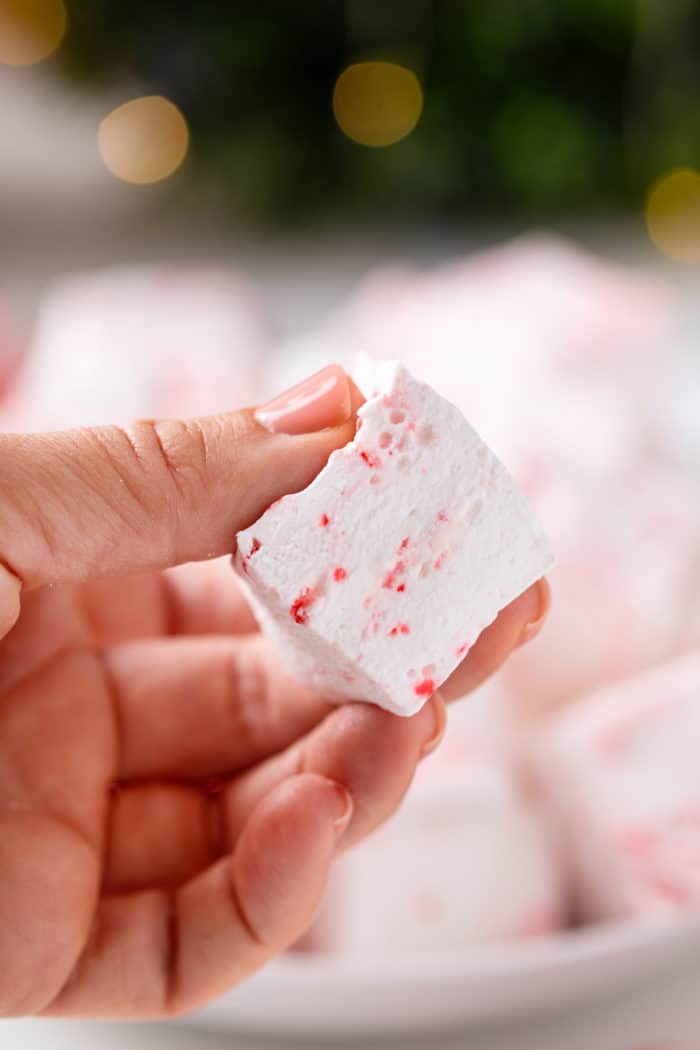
<point x="160" y="835"/>
<point x="196" y="598"/>
<point x="106" y="501"/>
<point x="204" y="706"/>
<point x="49" y="879"/>
<point x="371" y="752"/>
<point x="155" y="953"/>
<point x="514" y="625"/>
<point x="207" y="599"/>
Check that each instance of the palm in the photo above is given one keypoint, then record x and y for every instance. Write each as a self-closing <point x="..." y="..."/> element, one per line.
<point x="142" y="721"/>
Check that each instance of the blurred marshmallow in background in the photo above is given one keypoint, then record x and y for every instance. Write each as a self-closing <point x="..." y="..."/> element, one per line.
<point x="439" y="876"/>
<point x="621" y="771"/>
<point x="130" y="341"/>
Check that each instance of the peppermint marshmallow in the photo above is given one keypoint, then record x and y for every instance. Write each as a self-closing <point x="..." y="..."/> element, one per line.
<point x="376" y="580"/>
<point x="468" y="859"/>
<point x="128" y="341"/>
<point x="621" y="769"/>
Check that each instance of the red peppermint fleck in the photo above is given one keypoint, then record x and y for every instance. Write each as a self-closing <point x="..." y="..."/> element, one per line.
<point x="255" y="546"/>
<point x="425" y="688"/>
<point x="299" y="609"/>
<point x="462" y="650"/>
<point x="403" y="545"/>
<point x="325" y="520"/>
<point x="410" y="426"/>
<point x="371" y="459"/>
<point x="442" y="516"/>
<point x="390" y="578"/>
<point x="440" y="561"/>
<point x="400" y="628"/>
<point x="339" y="574"/>
<point x="401" y="587"/>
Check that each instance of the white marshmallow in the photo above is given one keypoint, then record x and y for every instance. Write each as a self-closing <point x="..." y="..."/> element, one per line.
<point x="124" y="342"/>
<point x="621" y="769"/>
<point x="376" y="579"/>
<point x="626" y="587"/>
<point x="466" y="860"/>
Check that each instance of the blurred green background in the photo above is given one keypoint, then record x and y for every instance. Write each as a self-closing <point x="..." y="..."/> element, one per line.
<point x="532" y="109"/>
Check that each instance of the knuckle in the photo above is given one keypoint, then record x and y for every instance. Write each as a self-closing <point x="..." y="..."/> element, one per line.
<point x="178" y="449"/>
<point x="247" y="701"/>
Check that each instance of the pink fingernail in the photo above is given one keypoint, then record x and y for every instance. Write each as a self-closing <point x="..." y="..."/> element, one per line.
<point x="346" y="808"/>
<point x="323" y="400"/>
<point x="532" y="629"/>
<point x="440" y="724"/>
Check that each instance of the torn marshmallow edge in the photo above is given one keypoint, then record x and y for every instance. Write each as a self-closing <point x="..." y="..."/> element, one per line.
<point x="375" y="580"/>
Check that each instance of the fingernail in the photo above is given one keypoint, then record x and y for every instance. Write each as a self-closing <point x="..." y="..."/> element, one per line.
<point x="532" y="629"/>
<point x="10" y="590"/>
<point x="439" y="724"/>
<point x="346" y="808"/>
<point x="323" y="400"/>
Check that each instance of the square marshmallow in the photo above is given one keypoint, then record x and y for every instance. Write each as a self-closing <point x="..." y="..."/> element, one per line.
<point x="468" y="859"/>
<point x="125" y="342"/>
<point x="621" y="771"/>
<point x="376" y="579"/>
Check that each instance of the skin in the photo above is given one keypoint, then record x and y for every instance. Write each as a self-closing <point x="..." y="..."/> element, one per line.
<point x="170" y="800"/>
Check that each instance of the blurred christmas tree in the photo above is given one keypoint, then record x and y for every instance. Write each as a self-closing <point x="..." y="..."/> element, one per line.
<point x="526" y="103"/>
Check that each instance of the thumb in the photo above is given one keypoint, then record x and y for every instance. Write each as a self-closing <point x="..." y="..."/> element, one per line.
<point x="109" y="501"/>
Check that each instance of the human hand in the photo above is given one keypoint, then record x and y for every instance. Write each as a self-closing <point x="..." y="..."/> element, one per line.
<point x="170" y="800"/>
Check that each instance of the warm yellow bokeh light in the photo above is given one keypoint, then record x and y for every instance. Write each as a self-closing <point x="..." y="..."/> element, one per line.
<point x="144" y="140"/>
<point x="673" y="214"/>
<point x="30" y="30"/>
<point x="377" y="103"/>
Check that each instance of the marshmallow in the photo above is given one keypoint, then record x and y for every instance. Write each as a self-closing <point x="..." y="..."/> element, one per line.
<point x="376" y="579"/>
<point x="125" y="342"/>
<point x="627" y="583"/>
<point x="467" y="860"/>
<point x="621" y="770"/>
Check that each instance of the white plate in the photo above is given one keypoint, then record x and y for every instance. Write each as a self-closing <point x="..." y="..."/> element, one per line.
<point x="324" y="996"/>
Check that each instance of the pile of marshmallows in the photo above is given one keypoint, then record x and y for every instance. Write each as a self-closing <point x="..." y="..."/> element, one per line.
<point x="567" y="789"/>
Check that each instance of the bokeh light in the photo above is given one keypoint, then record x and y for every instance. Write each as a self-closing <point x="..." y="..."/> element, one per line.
<point x="30" y="30"/>
<point x="673" y="214"/>
<point x="144" y="140"/>
<point x="377" y="103"/>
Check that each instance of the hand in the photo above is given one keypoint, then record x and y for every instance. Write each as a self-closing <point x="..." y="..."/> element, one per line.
<point x="170" y="800"/>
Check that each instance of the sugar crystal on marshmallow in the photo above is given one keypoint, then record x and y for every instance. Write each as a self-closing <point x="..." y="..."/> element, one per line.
<point x="376" y="580"/>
